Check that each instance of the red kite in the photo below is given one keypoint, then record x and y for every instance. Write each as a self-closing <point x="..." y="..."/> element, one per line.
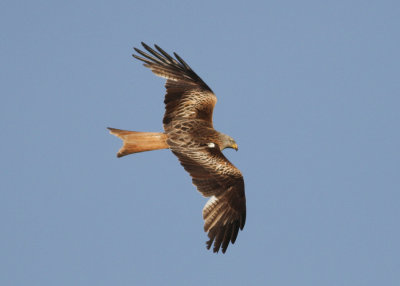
<point x="189" y="133"/>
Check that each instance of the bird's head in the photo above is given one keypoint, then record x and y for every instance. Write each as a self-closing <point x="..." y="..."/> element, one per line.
<point x="228" y="142"/>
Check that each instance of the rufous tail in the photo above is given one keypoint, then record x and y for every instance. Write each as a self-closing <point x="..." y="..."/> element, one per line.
<point x="135" y="142"/>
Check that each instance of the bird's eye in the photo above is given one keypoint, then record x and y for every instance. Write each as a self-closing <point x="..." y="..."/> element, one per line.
<point x="211" y="145"/>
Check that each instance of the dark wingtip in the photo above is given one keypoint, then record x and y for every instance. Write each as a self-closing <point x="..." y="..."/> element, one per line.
<point x="159" y="57"/>
<point x="147" y="47"/>
<point x="242" y="221"/>
<point x="157" y="47"/>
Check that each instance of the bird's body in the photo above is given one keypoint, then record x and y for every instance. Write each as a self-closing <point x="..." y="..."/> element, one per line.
<point x="189" y="133"/>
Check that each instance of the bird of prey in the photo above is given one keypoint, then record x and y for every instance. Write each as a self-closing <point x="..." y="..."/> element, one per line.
<point x="190" y="135"/>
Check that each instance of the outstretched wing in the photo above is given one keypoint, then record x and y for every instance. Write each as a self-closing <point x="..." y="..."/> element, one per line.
<point x="188" y="96"/>
<point x="214" y="176"/>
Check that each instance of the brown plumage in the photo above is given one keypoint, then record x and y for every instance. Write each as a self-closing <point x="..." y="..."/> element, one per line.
<point x="189" y="133"/>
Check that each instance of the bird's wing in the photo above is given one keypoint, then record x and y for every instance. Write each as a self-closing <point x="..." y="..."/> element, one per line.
<point x="188" y="96"/>
<point x="214" y="176"/>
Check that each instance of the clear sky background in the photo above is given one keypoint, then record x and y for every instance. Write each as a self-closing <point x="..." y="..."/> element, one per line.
<point x="310" y="90"/>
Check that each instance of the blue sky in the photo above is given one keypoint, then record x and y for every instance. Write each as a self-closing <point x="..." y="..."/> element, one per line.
<point x="310" y="90"/>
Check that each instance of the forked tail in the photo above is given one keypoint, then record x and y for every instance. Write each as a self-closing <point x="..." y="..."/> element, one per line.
<point x="135" y="142"/>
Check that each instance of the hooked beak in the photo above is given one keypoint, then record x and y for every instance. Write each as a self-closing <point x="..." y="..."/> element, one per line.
<point x="235" y="146"/>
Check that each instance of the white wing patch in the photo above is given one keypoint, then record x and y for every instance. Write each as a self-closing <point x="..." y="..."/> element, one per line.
<point x="212" y="213"/>
<point x="210" y="205"/>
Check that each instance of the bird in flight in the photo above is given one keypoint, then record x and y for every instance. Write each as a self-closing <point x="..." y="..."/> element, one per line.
<point x="190" y="135"/>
